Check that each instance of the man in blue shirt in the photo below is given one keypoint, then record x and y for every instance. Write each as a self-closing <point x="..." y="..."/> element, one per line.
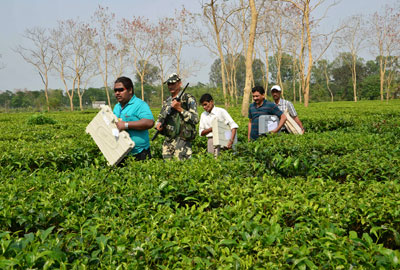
<point x="134" y="116"/>
<point x="262" y="107"/>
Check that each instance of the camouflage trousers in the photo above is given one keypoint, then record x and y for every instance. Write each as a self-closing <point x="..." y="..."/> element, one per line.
<point x="178" y="148"/>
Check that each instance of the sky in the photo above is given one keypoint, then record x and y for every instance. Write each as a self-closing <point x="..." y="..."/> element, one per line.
<point x="18" y="15"/>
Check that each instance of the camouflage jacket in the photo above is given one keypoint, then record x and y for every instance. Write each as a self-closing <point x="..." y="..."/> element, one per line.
<point x="180" y="124"/>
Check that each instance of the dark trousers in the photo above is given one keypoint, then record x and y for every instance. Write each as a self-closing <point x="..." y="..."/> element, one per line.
<point x="145" y="154"/>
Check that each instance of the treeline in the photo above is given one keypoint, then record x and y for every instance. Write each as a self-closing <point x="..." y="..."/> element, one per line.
<point x="58" y="100"/>
<point x="330" y="80"/>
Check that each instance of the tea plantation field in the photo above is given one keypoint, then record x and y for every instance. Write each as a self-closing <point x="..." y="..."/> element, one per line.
<point x="329" y="199"/>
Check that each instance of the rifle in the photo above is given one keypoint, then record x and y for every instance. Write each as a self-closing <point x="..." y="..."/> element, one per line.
<point x="169" y="112"/>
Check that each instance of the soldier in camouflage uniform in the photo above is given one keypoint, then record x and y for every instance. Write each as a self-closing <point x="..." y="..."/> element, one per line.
<point x="180" y="127"/>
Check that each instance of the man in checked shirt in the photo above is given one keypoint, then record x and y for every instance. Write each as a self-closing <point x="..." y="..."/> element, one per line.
<point x="284" y="104"/>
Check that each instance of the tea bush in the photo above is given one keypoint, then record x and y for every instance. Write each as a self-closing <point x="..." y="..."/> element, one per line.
<point x="325" y="200"/>
<point x="40" y="119"/>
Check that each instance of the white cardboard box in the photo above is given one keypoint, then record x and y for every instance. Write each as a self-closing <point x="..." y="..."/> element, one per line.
<point x="113" y="144"/>
<point x="221" y="133"/>
<point x="266" y="123"/>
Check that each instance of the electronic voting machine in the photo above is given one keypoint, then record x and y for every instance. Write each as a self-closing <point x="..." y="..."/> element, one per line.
<point x="267" y="123"/>
<point x="114" y="144"/>
<point x="221" y="133"/>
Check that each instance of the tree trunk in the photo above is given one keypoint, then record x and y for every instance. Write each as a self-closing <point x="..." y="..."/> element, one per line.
<point x="142" y="85"/>
<point x="78" y="90"/>
<point x="354" y="75"/>
<point x="46" y="90"/>
<point x="389" y="80"/>
<point x="310" y="59"/>
<point x="301" y="64"/>
<point x="327" y="82"/>
<point x="294" y="69"/>
<point x="46" y="84"/>
<point x="382" y="70"/>
<point x="47" y="94"/>
<point x="162" y="84"/>
<point x="266" y="47"/>
<point x="106" y="70"/>
<point x="278" y="67"/>
<point x="249" y="58"/>
<point x="221" y="54"/>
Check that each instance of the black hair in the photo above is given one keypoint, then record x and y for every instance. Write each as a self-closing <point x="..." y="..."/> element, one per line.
<point x="206" y="97"/>
<point x="127" y="83"/>
<point x="259" y="89"/>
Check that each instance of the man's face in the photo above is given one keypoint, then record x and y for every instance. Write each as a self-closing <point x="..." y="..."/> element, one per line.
<point x="174" y="88"/>
<point x="121" y="93"/>
<point x="276" y="95"/>
<point x="208" y="106"/>
<point x="258" y="98"/>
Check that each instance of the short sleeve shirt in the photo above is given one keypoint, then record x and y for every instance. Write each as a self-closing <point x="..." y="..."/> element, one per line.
<point x="135" y="110"/>
<point x="285" y="104"/>
<point x="267" y="108"/>
<point x="221" y="114"/>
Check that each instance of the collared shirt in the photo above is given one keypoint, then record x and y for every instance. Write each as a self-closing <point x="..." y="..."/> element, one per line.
<point x="285" y="104"/>
<point x="221" y="114"/>
<point x="135" y="110"/>
<point x="267" y="108"/>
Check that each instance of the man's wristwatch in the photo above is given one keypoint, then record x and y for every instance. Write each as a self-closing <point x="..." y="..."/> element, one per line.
<point x="126" y="125"/>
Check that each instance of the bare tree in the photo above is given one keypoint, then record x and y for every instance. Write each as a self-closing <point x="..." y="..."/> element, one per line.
<point x="102" y="44"/>
<point x="241" y="26"/>
<point x="82" y="60"/>
<point x="386" y="38"/>
<point x="183" y="21"/>
<point x="163" y="47"/>
<point x="71" y="44"/>
<point x="249" y="57"/>
<point x="306" y="9"/>
<point x="262" y="50"/>
<point x="263" y="43"/>
<point x="139" y="37"/>
<point x="325" y="68"/>
<point x="280" y="35"/>
<point x="295" y="67"/>
<point x="119" y="57"/>
<point x="216" y="17"/>
<point x="61" y="45"/>
<point x="392" y="71"/>
<point x="352" y="38"/>
<point x="232" y="40"/>
<point x="39" y="55"/>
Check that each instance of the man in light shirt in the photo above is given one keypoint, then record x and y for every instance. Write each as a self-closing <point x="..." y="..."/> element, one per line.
<point x="206" y="118"/>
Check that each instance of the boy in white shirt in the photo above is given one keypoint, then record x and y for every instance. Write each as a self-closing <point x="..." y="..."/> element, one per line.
<point x="205" y="128"/>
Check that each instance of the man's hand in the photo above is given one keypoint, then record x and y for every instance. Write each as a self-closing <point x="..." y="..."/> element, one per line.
<point x="176" y="105"/>
<point x="121" y="125"/>
<point x="206" y="131"/>
<point x="229" y="145"/>
<point x="159" y="127"/>
<point x="274" y="131"/>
